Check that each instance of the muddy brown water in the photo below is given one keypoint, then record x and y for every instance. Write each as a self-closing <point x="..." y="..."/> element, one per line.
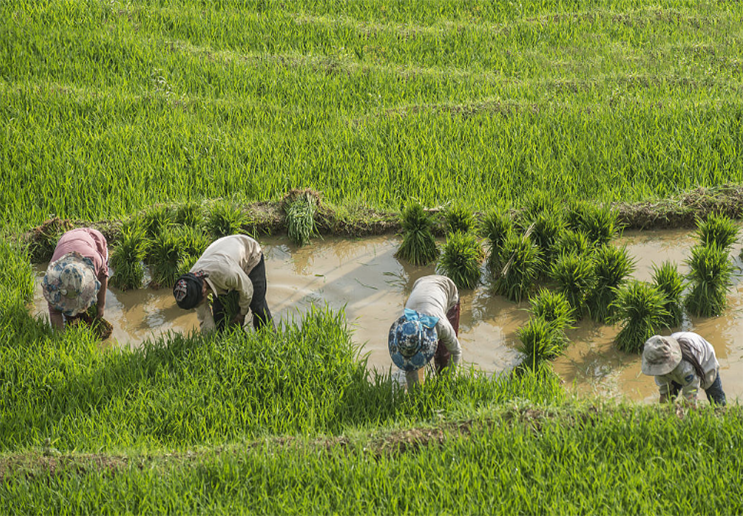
<point x="363" y="277"/>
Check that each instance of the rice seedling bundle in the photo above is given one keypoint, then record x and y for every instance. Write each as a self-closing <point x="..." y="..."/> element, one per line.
<point x="709" y="278"/>
<point x="300" y="218"/>
<point x="718" y="230"/>
<point x="127" y="257"/>
<point x="459" y="219"/>
<point x="540" y="341"/>
<point x="572" y="242"/>
<point x="612" y="265"/>
<point x="546" y="230"/>
<point x="522" y="266"/>
<point x="537" y="204"/>
<point x="192" y="241"/>
<point x="575" y="277"/>
<point x="461" y="259"/>
<point x="553" y="307"/>
<point x="164" y="255"/>
<point x="669" y="281"/>
<point x="640" y="310"/>
<point x="155" y="220"/>
<point x="224" y="218"/>
<point x="418" y="243"/>
<point x="189" y="214"/>
<point x="497" y="226"/>
<point x="599" y="223"/>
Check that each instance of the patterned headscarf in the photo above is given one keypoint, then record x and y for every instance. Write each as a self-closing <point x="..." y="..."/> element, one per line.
<point x="412" y="340"/>
<point x="70" y="285"/>
<point x="189" y="289"/>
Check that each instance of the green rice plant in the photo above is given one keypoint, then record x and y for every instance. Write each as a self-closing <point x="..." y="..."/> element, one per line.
<point x="224" y="218"/>
<point x="418" y="243"/>
<point x="536" y="204"/>
<point x="669" y="281"/>
<point x="461" y="259"/>
<point x="189" y="214"/>
<point x="553" y="307"/>
<point x="710" y="278"/>
<point x="639" y="308"/>
<point x="612" y="265"/>
<point x="718" y="230"/>
<point x="459" y="219"/>
<point x="127" y="257"/>
<point x="521" y="269"/>
<point x="572" y="242"/>
<point x="300" y="218"/>
<point x="192" y="241"/>
<point x="599" y="223"/>
<point x="545" y="232"/>
<point x="155" y="220"/>
<point x="540" y="341"/>
<point x="164" y="255"/>
<point x="575" y="278"/>
<point x="496" y="227"/>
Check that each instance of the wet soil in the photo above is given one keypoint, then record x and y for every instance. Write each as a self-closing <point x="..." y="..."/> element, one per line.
<point x="363" y="277"/>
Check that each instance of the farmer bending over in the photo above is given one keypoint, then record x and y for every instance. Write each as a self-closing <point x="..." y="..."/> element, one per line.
<point x="683" y="362"/>
<point x="431" y="318"/>
<point x="232" y="263"/>
<point x="77" y="276"/>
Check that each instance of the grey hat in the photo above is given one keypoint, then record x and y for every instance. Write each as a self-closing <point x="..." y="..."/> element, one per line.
<point x="660" y="356"/>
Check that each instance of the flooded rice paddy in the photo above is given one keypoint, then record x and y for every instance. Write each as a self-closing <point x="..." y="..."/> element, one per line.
<point x="363" y="277"/>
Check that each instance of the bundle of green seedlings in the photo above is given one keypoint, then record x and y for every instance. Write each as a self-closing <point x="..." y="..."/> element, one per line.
<point x="225" y="218"/>
<point x="300" y="208"/>
<point x="575" y="277"/>
<point x="718" y="230"/>
<point x="459" y="219"/>
<point x="418" y="243"/>
<point x="611" y="266"/>
<point x="545" y="231"/>
<point x="543" y="336"/>
<point x="127" y="257"/>
<point x="154" y="220"/>
<point x="189" y="214"/>
<point x="572" y="242"/>
<point x="598" y="223"/>
<point x="709" y="277"/>
<point x="671" y="283"/>
<point x="461" y="259"/>
<point x="640" y="310"/>
<point x="522" y="266"/>
<point x="496" y="227"/>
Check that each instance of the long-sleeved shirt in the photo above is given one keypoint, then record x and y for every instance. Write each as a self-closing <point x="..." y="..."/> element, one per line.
<point x="684" y="374"/>
<point x="227" y="262"/>
<point x="435" y="295"/>
<point x="91" y="244"/>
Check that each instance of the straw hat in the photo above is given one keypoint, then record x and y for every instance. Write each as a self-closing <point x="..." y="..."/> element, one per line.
<point x="70" y="285"/>
<point x="412" y="341"/>
<point x="660" y="356"/>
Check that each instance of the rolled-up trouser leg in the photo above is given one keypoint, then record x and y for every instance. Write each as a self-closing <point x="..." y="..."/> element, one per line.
<point x="259" y="307"/>
<point x="442" y="356"/>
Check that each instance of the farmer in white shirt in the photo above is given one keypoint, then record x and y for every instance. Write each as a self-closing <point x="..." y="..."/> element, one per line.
<point x="683" y="362"/>
<point x="232" y="263"/>
<point x="428" y="328"/>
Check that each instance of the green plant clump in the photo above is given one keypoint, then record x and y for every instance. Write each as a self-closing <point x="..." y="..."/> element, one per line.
<point x="575" y="277"/>
<point x="639" y="308"/>
<point x="459" y="219"/>
<point x="668" y="280"/>
<point x="497" y="226"/>
<point x="599" y="223"/>
<point x="553" y="307"/>
<point x="300" y="218"/>
<point x="225" y="219"/>
<point x="155" y="220"/>
<point x="418" y="243"/>
<point x="127" y="258"/>
<point x="520" y="270"/>
<point x="164" y="255"/>
<point x="611" y="267"/>
<point x="718" y="230"/>
<point x="546" y="231"/>
<point x="709" y="280"/>
<point x="461" y="259"/>
<point x="540" y="341"/>
<point x="189" y="214"/>
<point x="572" y="242"/>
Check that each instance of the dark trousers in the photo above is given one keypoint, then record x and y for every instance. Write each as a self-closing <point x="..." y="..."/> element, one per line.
<point x="442" y="356"/>
<point x="715" y="394"/>
<point x="258" y="306"/>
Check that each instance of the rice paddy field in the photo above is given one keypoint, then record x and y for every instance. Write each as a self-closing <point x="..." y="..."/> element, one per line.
<point x="108" y="108"/>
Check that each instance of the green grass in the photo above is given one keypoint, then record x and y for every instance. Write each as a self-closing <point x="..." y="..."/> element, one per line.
<point x="130" y="104"/>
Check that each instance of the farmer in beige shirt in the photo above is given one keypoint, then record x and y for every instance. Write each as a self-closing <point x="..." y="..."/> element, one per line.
<point x="232" y="263"/>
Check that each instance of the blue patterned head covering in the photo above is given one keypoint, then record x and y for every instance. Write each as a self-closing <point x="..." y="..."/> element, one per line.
<point x="70" y="285"/>
<point x="413" y="340"/>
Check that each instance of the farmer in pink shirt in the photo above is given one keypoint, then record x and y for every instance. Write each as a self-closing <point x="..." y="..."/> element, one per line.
<point x="77" y="276"/>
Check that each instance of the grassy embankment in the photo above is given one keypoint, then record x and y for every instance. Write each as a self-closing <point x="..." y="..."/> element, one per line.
<point x="109" y="107"/>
